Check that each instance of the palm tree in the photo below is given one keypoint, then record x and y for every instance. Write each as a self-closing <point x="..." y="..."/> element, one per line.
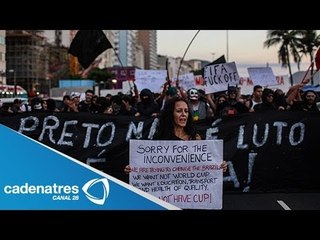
<point x="310" y="41"/>
<point x="289" y="41"/>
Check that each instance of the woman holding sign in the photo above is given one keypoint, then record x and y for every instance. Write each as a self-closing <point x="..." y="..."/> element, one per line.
<point x="175" y="123"/>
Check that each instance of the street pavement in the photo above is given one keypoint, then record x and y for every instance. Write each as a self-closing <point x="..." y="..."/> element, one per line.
<point x="271" y="201"/>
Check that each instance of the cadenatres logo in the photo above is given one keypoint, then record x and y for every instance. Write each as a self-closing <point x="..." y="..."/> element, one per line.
<point x="105" y="188"/>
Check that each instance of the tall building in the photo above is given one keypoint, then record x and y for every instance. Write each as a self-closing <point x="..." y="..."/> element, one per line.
<point x="57" y="44"/>
<point x="124" y="44"/>
<point x="27" y="58"/>
<point x="74" y="65"/>
<point x="58" y="38"/>
<point x="108" y="57"/>
<point x="54" y="36"/>
<point x="2" y="57"/>
<point x="139" y="57"/>
<point x="148" y="40"/>
<point x="174" y="65"/>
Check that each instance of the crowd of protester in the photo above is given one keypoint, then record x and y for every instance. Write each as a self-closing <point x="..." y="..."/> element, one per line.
<point x="147" y="103"/>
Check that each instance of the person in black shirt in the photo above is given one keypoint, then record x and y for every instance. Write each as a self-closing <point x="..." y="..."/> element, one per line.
<point x="147" y="106"/>
<point x="175" y="123"/>
<point x="88" y="105"/>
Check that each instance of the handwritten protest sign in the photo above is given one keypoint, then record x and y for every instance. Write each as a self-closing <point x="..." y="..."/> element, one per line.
<point x="186" y="81"/>
<point x="217" y="77"/>
<point x="186" y="174"/>
<point x="199" y="81"/>
<point x="262" y="76"/>
<point x="152" y="79"/>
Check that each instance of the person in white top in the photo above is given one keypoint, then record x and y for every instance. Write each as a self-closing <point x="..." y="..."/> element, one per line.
<point x="256" y="98"/>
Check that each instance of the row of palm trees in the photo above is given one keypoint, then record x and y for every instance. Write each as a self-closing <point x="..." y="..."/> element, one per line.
<point x="294" y="43"/>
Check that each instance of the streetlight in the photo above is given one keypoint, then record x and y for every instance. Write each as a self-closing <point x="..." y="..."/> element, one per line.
<point x="2" y="74"/>
<point x="14" y="81"/>
<point x="213" y="55"/>
<point x="227" y="40"/>
<point x="114" y="82"/>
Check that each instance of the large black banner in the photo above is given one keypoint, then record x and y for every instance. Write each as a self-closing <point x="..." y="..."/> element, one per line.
<point x="266" y="152"/>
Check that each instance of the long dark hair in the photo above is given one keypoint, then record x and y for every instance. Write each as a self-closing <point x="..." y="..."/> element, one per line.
<point x="165" y="128"/>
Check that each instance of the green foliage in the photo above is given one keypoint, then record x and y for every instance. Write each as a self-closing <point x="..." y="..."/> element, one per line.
<point x="102" y="75"/>
<point x="308" y="45"/>
<point x="99" y="75"/>
<point x="293" y="42"/>
<point x="75" y="76"/>
<point x="108" y="84"/>
<point x="197" y="72"/>
<point x="288" y="41"/>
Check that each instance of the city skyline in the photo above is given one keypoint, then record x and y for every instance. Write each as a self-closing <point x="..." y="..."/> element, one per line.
<point x="244" y="47"/>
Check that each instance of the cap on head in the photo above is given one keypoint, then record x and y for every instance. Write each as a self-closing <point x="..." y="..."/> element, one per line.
<point x="74" y="95"/>
<point x="145" y="92"/>
<point x="172" y="91"/>
<point x="232" y="89"/>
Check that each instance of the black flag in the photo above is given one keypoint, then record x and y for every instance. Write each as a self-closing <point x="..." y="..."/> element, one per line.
<point x="87" y="45"/>
<point x="217" y="61"/>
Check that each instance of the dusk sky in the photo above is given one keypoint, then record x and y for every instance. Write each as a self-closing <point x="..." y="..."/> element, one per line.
<point x="245" y="46"/>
